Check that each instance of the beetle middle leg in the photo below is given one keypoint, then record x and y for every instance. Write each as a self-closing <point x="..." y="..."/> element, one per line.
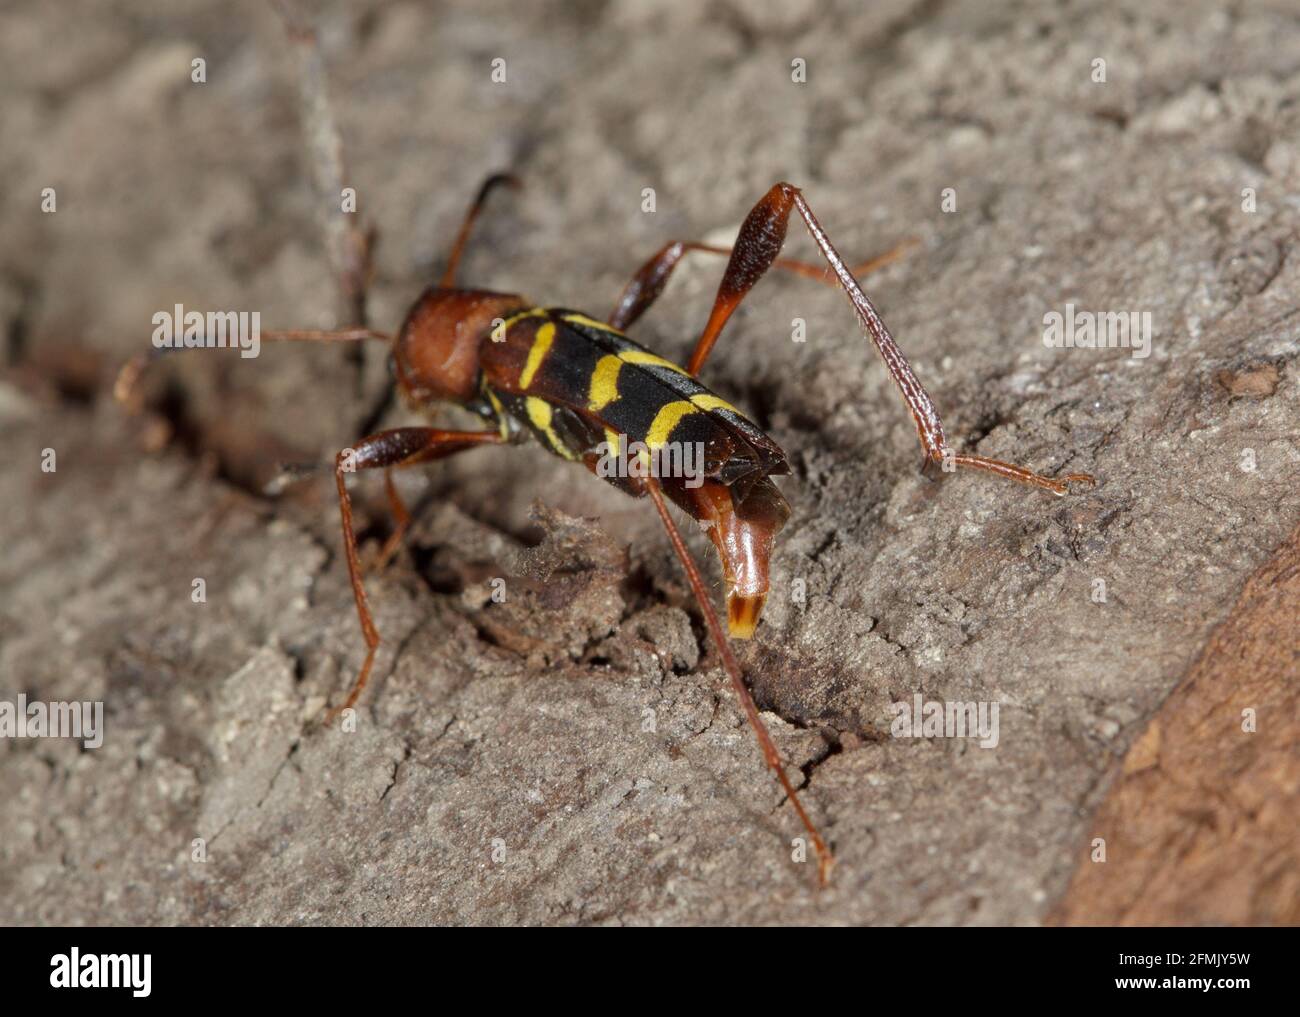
<point x="401" y="522"/>
<point x="757" y="246"/>
<point x="651" y="278"/>
<point x="398" y="448"/>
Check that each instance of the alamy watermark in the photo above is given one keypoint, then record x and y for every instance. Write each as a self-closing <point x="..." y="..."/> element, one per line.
<point x="1100" y="330"/>
<point x="75" y="970"/>
<point x="936" y="718"/>
<point x="678" y="459"/>
<point x="182" y="329"/>
<point x="53" y="720"/>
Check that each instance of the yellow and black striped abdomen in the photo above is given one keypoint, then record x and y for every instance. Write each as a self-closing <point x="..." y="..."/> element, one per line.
<point x="575" y="383"/>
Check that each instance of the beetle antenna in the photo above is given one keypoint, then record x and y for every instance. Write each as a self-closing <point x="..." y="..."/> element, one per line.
<point x="128" y="377"/>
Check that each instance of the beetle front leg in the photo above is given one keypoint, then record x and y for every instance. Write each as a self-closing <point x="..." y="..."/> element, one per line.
<point x="401" y="447"/>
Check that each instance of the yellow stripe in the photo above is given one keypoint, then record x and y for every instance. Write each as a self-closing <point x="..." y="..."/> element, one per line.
<point x="614" y="441"/>
<point x="503" y="427"/>
<point x="539" y="412"/>
<point x="582" y="319"/>
<point x="532" y="312"/>
<point x="604" y="383"/>
<point x="708" y="401"/>
<point x="668" y="417"/>
<point x="650" y="359"/>
<point x="541" y="346"/>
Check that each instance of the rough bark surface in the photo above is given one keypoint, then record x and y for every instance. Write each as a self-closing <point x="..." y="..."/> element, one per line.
<point x="502" y="769"/>
<point x="1200" y="828"/>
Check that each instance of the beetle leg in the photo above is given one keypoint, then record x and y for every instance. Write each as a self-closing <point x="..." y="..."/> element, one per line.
<point x="652" y="277"/>
<point x="401" y="447"/>
<point x="402" y="522"/>
<point x="824" y="858"/>
<point x="757" y="246"/>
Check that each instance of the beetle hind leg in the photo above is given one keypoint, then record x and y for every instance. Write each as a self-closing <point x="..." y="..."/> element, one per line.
<point x="756" y="250"/>
<point x="773" y="758"/>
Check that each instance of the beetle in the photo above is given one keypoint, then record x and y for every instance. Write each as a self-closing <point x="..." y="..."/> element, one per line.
<point x="585" y="391"/>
